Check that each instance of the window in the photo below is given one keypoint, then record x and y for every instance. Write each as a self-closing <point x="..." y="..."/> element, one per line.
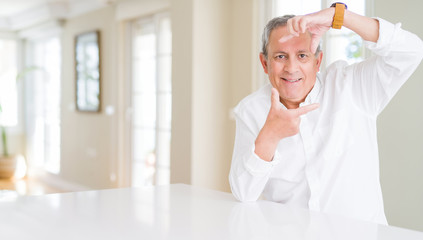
<point x="337" y="44"/>
<point x="8" y="91"/>
<point x="151" y="98"/>
<point x="345" y="44"/>
<point x="299" y="7"/>
<point x="43" y="104"/>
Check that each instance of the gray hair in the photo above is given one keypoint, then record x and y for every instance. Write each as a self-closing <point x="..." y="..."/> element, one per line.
<point x="273" y="24"/>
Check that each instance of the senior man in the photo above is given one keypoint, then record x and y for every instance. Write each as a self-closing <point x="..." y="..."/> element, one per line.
<point x="309" y="138"/>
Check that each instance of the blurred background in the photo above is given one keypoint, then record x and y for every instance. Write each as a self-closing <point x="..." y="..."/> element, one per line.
<point x="102" y="94"/>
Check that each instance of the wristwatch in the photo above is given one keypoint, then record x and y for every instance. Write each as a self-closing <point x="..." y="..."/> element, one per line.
<point x="338" y="18"/>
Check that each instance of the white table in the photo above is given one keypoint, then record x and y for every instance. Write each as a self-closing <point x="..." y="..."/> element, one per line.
<point x="174" y="212"/>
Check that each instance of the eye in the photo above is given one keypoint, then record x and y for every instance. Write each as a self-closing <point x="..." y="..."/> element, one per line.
<point x="280" y="56"/>
<point x="302" y="55"/>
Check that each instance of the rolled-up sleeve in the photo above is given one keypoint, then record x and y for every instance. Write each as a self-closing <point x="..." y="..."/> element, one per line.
<point x="396" y="55"/>
<point x="249" y="173"/>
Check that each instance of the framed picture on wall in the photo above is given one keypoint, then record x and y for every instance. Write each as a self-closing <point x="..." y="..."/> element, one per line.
<point x="87" y="71"/>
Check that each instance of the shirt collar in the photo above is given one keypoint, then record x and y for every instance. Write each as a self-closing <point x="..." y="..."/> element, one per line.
<point x="312" y="96"/>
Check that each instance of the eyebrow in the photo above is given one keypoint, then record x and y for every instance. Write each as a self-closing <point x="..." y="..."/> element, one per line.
<point x="303" y="51"/>
<point x="282" y="52"/>
<point x="299" y="51"/>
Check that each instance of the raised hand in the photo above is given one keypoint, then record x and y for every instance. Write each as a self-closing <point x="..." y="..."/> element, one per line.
<point x="317" y="24"/>
<point x="280" y="123"/>
<point x="285" y="122"/>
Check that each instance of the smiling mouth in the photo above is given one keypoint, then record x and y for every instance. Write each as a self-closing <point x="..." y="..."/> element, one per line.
<point x="292" y="80"/>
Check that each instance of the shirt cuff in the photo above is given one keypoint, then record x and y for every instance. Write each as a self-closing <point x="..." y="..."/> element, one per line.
<point x="257" y="166"/>
<point x="386" y="34"/>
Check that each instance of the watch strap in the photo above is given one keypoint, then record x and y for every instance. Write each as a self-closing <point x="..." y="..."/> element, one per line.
<point x="338" y="17"/>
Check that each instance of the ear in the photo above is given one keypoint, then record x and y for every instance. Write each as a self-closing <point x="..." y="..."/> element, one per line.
<point x="319" y="59"/>
<point x="263" y="61"/>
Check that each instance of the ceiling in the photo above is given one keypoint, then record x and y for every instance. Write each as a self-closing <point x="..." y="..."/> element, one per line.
<point x="9" y="8"/>
<point x="19" y="14"/>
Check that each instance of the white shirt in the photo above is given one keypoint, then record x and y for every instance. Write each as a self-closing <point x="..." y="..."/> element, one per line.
<point x="332" y="164"/>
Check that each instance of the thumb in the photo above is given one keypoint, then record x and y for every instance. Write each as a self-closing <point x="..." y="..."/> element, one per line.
<point x="305" y="109"/>
<point x="275" y="98"/>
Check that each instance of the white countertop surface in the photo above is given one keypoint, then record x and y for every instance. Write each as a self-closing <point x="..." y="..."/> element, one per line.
<point x="174" y="212"/>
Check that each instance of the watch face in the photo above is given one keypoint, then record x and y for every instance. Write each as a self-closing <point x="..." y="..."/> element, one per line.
<point x="334" y="4"/>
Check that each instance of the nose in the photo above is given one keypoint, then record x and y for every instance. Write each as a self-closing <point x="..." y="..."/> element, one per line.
<point x="291" y="65"/>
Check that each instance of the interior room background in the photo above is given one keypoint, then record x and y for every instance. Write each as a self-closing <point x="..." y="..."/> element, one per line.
<point x="171" y="73"/>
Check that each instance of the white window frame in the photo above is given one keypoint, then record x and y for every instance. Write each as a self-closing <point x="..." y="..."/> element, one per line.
<point x="127" y="168"/>
<point x="18" y="128"/>
<point x="49" y="30"/>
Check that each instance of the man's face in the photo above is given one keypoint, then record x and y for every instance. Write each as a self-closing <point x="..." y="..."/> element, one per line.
<point x="291" y="66"/>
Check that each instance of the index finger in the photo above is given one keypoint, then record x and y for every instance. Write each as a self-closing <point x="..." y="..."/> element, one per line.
<point x="289" y="25"/>
<point x="305" y="109"/>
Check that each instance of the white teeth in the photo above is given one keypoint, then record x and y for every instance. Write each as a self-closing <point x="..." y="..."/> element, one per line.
<point x="296" y="80"/>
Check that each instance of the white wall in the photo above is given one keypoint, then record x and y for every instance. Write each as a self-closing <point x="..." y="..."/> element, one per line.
<point x="213" y="69"/>
<point x="88" y="140"/>
<point x="200" y="145"/>
<point x="95" y="145"/>
<point x="211" y="145"/>
<point x="181" y="142"/>
<point x="400" y="130"/>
